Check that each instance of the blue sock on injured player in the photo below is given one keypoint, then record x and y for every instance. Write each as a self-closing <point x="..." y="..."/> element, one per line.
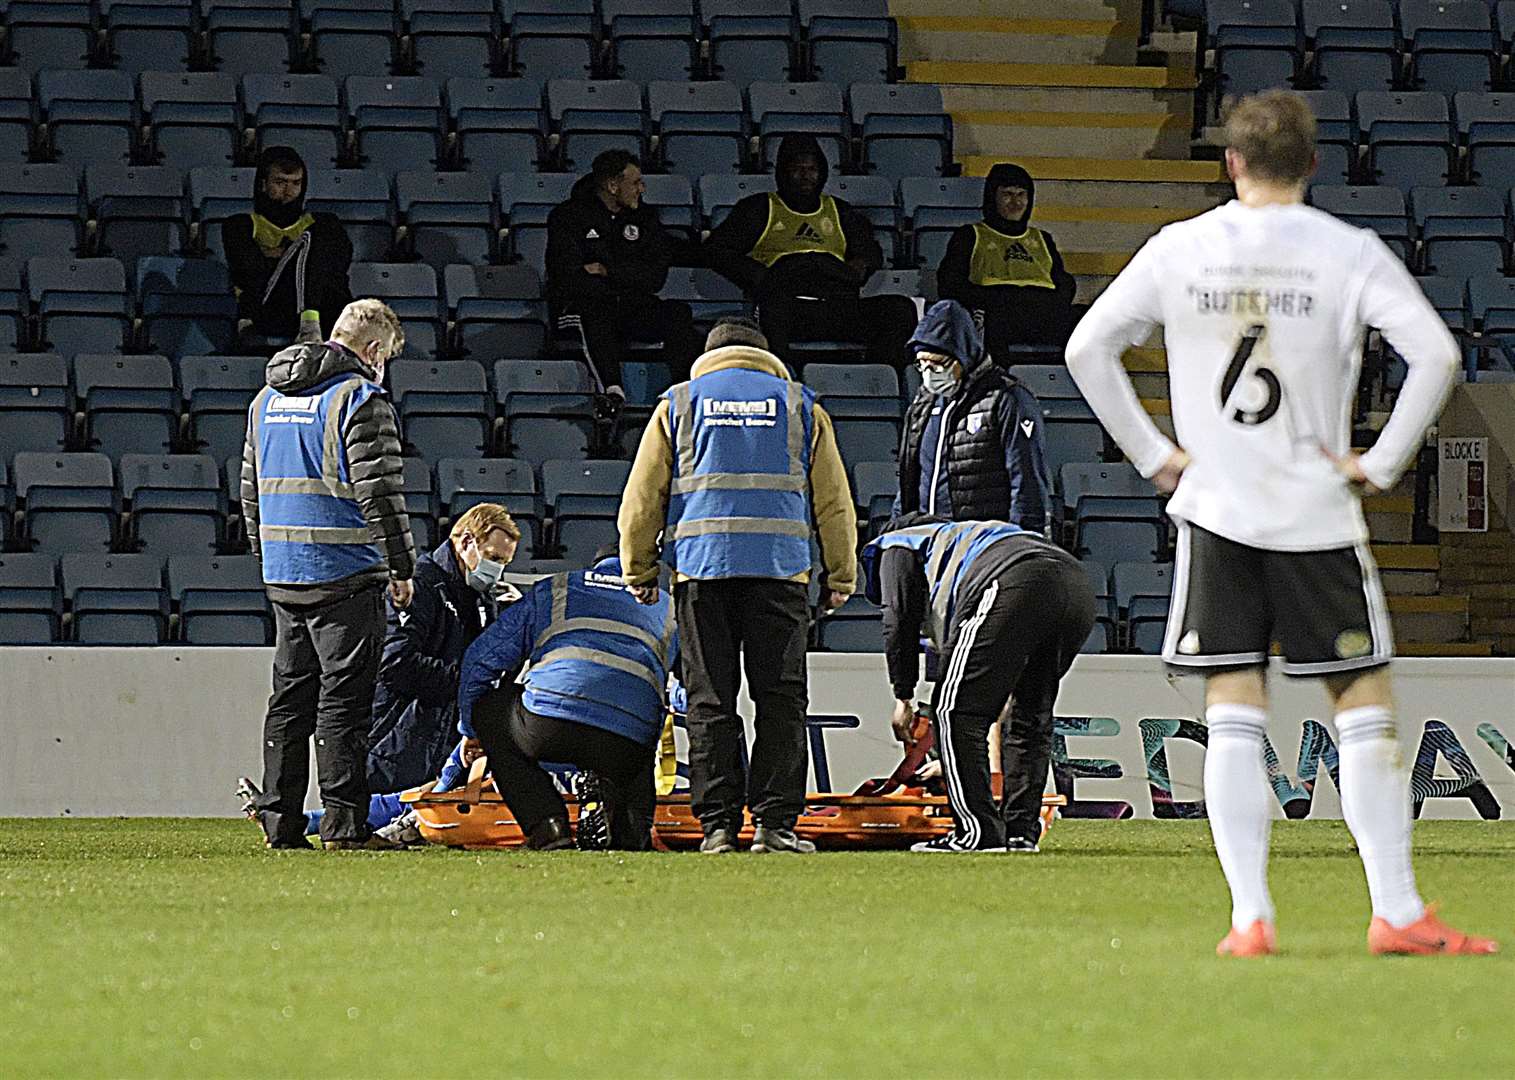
<point x="1238" y="800"/>
<point x="382" y="809"/>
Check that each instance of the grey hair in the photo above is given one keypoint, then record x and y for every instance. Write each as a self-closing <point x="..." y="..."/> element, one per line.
<point x="363" y="321"/>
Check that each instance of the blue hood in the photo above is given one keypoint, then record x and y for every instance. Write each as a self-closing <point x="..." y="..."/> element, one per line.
<point x="948" y="328"/>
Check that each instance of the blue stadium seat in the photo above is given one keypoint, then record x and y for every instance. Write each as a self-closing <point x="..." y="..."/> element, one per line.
<point x="248" y="38"/>
<point x="525" y="201"/>
<point x="1381" y="209"/>
<point x="1335" y="146"/>
<point x="361" y="201"/>
<point x="1072" y="440"/>
<point x="708" y="295"/>
<point x="445" y="407"/>
<point x="217" y="391"/>
<point x="36" y="403"/>
<point x="1491" y="299"/>
<point x="875" y="484"/>
<point x="452" y="38"/>
<point x="1462" y="230"/>
<point x="864" y="403"/>
<point x="411" y="290"/>
<point x="148" y="35"/>
<point x="1257" y="43"/>
<point x="672" y="199"/>
<point x="497" y="310"/>
<point x="652" y="39"/>
<point x="69" y="500"/>
<point x="352" y="41"/>
<point x="300" y="111"/>
<point x="466" y="482"/>
<point x="718" y="194"/>
<point x="849" y="41"/>
<point x="130" y="403"/>
<point x="1142" y="591"/>
<point x="46" y="34"/>
<point x="40" y="209"/>
<point x="1096" y="495"/>
<point x="420" y="504"/>
<point x="137" y="209"/>
<point x="176" y="502"/>
<point x="1486" y="124"/>
<point x="117" y="600"/>
<point x="1451" y="42"/>
<point x="751" y="39"/>
<point x="497" y="120"/>
<point x="1103" y="635"/>
<point x="594" y="116"/>
<point x="552" y="40"/>
<point x="214" y="196"/>
<point x="888" y="282"/>
<point x="193" y="118"/>
<point x="91" y="116"/>
<point x="905" y="128"/>
<point x="397" y="121"/>
<point x="815" y="109"/>
<point x="873" y="197"/>
<point x="547" y="406"/>
<point x="188" y="307"/>
<point x="1409" y="137"/>
<point x="17" y="114"/>
<point x="1449" y="296"/>
<point x="82" y="303"/>
<point x="221" y="600"/>
<point x="31" y="603"/>
<point x="13" y="304"/>
<point x="936" y="207"/>
<point x="702" y="128"/>
<point x="857" y="626"/>
<point x="1055" y="391"/>
<point x="584" y="497"/>
<point x="449" y="216"/>
<point x="1356" y="44"/>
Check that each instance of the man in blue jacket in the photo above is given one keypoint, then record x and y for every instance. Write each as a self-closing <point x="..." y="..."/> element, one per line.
<point x="594" y="696"/>
<point x="973" y="448"/>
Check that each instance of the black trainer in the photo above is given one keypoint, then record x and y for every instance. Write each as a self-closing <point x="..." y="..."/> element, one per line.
<point x="593" y="830"/>
<point x="550" y="835"/>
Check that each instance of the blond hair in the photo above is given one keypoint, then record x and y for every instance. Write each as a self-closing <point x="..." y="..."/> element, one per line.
<point x="368" y="320"/>
<point x="480" y="518"/>
<point x="1274" y="132"/>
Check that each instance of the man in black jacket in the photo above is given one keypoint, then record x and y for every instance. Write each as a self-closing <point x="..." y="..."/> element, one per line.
<point x="804" y="256"/>
<point x="973" y="448"/>
<point x="457" y="589"/>
<point x="1008" y="272"/>
<point x="607" y="257"/>
<point x="284" y="259"/>
<point x="325" y="512"/>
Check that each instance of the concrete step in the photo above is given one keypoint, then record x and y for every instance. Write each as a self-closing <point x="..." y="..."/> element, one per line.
<point x="1107" y="169"/>
<point x="1016" y="133"/>
<point x="1128" y="11"/>
<point x="1409" y="582"/>
<point x="1429" y="619"/>
<point x="1115" y="76"/>
<point x="1418" y="557"/>
<point x="1445" y="648"/>
<point x="980" y="39"/>
<point x="1391" y="518"/>
<point x="1091" y="233"/>
<point x="1177" y="104"/>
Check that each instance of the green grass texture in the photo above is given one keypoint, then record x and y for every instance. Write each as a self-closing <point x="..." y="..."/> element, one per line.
<point x="165" y="948"/>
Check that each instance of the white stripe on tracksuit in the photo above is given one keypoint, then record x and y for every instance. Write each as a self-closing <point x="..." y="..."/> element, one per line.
<point x="970" y="834"/>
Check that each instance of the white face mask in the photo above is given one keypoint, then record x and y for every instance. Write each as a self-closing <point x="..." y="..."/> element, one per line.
<point x="486" y="576"/>
<point x="939" y="381"/>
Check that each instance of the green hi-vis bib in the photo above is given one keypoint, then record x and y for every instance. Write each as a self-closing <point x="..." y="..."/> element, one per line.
<point x="1010" y="260"/>
<point x="269" y="235"/>
<point x="789" y="233"/>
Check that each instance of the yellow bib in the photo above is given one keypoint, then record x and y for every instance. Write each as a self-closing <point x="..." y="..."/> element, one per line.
<point x="1010" y="260"/>
<point x="267" y="234"/>
<point x="790" y="233"/>
<point x="666" y="767"/>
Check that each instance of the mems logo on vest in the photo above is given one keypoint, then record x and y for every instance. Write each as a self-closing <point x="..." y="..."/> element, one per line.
<point x="292" y="410"/>
<point x="730" y="413"/>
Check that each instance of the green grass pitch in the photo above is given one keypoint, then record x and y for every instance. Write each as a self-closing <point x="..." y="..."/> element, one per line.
<point x="180" y="948"/>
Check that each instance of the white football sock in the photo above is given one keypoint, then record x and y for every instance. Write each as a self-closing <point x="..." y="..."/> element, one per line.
<point x="1375" y="800"/>
<point x="1239" y="802"/>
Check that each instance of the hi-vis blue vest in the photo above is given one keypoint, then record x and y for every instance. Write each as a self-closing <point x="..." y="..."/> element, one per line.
<point x="602" y="659"/>
<point x="739" y="503"/>
<point x="946" y="549"/>
<point x="311" y="527"/>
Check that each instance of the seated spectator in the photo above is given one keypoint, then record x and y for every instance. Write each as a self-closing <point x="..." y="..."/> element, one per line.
<point x="1008" y="272"/>
<point x="804" y="257"/>
<point x="607" y="257"/>
<point x="283" y="259"/>
<point x="990" y="462"/>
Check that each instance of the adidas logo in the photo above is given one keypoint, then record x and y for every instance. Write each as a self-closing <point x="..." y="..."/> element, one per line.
<point x="807" y="232"/>
<point x="1017" y="252"/>
<point x="592" y="234"/>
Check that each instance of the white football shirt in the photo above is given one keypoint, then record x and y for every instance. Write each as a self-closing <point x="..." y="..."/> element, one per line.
<point x="1264" y="310"/>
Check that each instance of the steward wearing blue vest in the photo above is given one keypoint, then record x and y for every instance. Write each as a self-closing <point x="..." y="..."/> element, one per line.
<point x="321" y="496"/>
<point x="595" y="696"/>
<point x="1007" y="611"/>
<point x="736" y="470"/>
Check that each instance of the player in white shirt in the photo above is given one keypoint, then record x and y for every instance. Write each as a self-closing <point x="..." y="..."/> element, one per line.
<point x="1264" y="303"/>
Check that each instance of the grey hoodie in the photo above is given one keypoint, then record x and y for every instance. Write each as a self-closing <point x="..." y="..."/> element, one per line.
<point x="372" y="445"/>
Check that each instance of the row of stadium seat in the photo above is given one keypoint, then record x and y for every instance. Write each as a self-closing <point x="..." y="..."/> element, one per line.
<point x="1458" y="232"/>
<point x="742" y="40"/>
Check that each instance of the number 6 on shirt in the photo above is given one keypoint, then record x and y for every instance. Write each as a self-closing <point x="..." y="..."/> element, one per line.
<point x="1239" y="358"/>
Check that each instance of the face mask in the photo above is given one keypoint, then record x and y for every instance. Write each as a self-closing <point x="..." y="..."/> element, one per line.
<point x="938" y="381"/>
<point x="484" y="577"/>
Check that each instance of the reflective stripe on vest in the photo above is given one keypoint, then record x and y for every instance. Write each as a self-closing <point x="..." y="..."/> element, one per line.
<point x="947" y="550"/>
<point x="789" y="232"/>
<point x="999" y="259"/>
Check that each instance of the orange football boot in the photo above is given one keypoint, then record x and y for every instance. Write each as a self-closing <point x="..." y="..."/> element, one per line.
<point x="1259" y="939"/>
<point x="1427" y="936"/>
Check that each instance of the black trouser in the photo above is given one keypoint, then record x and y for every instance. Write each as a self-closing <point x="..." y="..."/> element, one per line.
<point x="766" y="621"/>
<point x="1016" y="632"/>
<point x="326" y="663"/>
<point x="605" y="326"/>
<point x="882" y="324"/>
<point x="1014" y="316"/>
<point x="516" y="739"/>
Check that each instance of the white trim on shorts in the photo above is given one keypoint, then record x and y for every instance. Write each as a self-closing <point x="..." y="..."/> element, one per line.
<point x="1380" y="628"/>
<point x="1177" y="607"/>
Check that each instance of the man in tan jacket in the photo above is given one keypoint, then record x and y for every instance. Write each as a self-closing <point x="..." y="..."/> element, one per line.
<point x="737" y="469"/>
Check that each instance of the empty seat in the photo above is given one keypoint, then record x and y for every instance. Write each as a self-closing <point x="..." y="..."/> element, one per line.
<point x="147" y="35"/>
<point x="31" y="603"/>
<point x="1451" y="42"/>
<point x="221" y="600"/>
<point x="217" y="391"/>
<point x="937" y="207"/>
<point x="708" y="294"/>
<point x="295" y="110"/>
<point x="1257" y="43"/>
<point x="82" y="302"/>
<point x="750" y="39"/>
<point x="246" y="38"/>
<point x="525" y="201"/>
<point x="1072" y="440"/>
<point x="1409" y="137"/>
<point x="672" y="199"/>
<point x="1381" y="209"/>
<point x="13" y="304"/>
<point x="1335" y="146"/>
<point x="905" y="129"/>
<point x="137" y="209"/>
<point x="548" y="40"/>
<point x="1356" y="44"/>
<point x="1095" y="494"/>
<point x="91" y="116"/>
<point x="1055" y="391"/>
<point x="873" y="197"/>
<point x="69" y="501"/>
<point x="397" y="121"/>
<point x="702" y="128"/>
<point x="130" y="404"/>
<point x="420" y="503"/>
<point x="1491" y="299"/>
<point x="360" y="199"/>
<point x="445" y="407"/>
<point x="857" y="626"/>
<point x="188" y="307"/>
<point x="40" y="209"/>
<point x="584" y="497"/>
<point x="864" y="403"/>
<point x="875" y="485"/>
<point x="497" y="120"/>
<point x="651" y="39"/>
<point x="452" y="38"/>
<point x="176" y="502"/>
<point x="814" y="109"/>
<point x="718" y="194"/>
<point x="1142" y="591"/>
<point x="17" y="114"/>
<point x="1486" y="123"/>
<point x="1103" y="635"/>
<point x="411" y="290"/>
<point x="194" y="118"/>
<point x="36" y="404"/>
<point x="216" y="194"/>
<point x="466" y="482"/>
<point x="117" y="600"/>
<point x="594" y="116"/>
<point x="46" y="34"/>
<point x="547" y="407"/>
<point x="1462" y="230"/>
<point x="349" y="41"/>
<point x="497" y="310"/>
<point x="449" y="216"/>
<point x="849" y="42"/>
